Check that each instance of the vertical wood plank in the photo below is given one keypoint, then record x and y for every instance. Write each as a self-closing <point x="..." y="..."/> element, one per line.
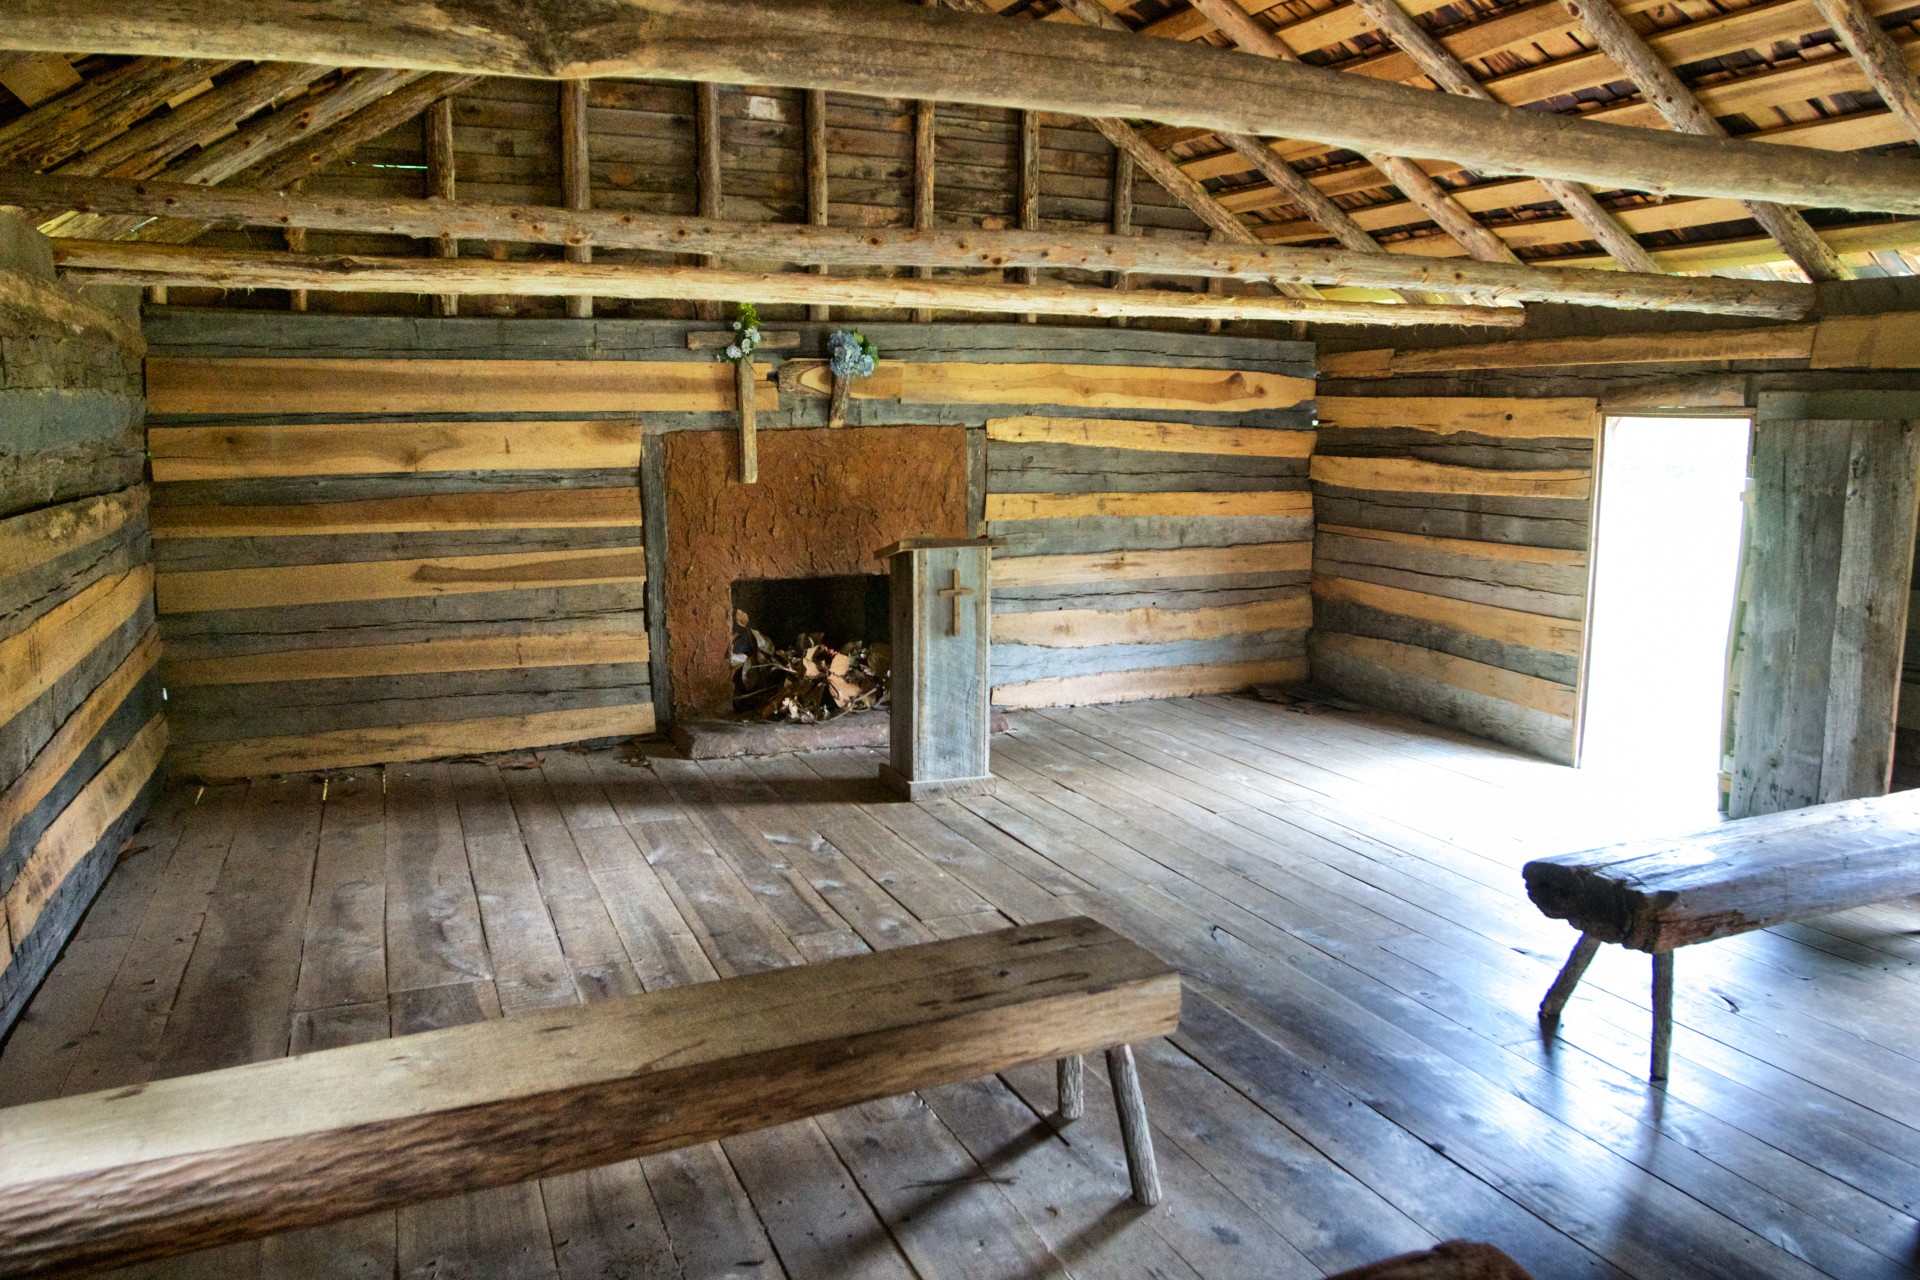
<point x="1029" y="191"/>
<point x="923" y="171"/>
<point x="817" y="192"/>
<point x="706" y="131"/>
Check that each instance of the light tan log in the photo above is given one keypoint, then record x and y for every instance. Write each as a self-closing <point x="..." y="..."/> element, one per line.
<point x="913" y="51"/>
<point x="125" y="262"/>
<point x="1878" y="56"/>
<point x="1681" y="108"/>
<point x="198" y="1160"/>
<point x="1446" y="212"/>
<point x="847" y="246"/>
<point x="576" y="179"/>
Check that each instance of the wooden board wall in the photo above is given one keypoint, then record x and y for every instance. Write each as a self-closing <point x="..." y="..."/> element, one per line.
<point x="438" y="539"/>
<point x="81" y="730"/>
<point x="1450" y="563"/>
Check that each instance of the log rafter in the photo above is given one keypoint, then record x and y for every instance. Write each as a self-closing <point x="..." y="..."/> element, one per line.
<point x="1660" y="85"/>
<point x="956" y="248"/>
<point x="914" y="51"/>
<point x="1879" y="57"/>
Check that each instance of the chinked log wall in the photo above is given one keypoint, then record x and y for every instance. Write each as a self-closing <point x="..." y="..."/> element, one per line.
<point x="81" y="730"/>
<point x="365" y="554"/>
<point x="1453" y="488"/>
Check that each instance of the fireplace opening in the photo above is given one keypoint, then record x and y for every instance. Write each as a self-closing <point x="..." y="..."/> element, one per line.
<point x="810" y="649"/>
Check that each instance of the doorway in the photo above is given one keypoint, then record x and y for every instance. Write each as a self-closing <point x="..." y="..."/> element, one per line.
<point x="1666" y="567"/>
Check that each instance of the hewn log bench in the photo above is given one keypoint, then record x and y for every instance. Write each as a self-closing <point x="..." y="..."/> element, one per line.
<point x="200" y="1160"/>
<point x="1656" y="895"/>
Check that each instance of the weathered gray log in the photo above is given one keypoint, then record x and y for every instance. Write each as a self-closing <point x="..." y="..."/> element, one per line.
<point x="229" y="1155"/>
<point x="852" y="246"/>
<point x="124" y="262"/>
<point x="1070" y="1074"/>
<point x="1655" y="895"/>
<point x="914" y="51"/>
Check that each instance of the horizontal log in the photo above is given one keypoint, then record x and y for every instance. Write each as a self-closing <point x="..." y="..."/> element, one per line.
<point x="1113" y="535"/>
<point x="1061" y="506"/>
<point x="1868" y="342"/>
<point x="904" y="247"/>
<point x="37" y="537"/>
<point x="124" y="262"/>
<point x="424" y="513"/>
<point x="1464" y="546"/>
<point x="912" y="51"/>
<point x="80" y="825"/>
<point x="392" y="579"/>
<point x="298" y="753"/>
<point x="1129" y="566"/>
<point x="359" y="448"/>
<point x="75" y="734"/>
<point x="1545" y="696"/>
<point x="1076" y="386"/>
<point x="1783" y="342"/>
<point x="1149" y="683"/>
<point x="1508" y="626"/>
<point x="1556" y="418"/>
<point x="33" y="302"/>
<point x="247" y="386"/>
<point x="32" y="660"/>
<point x="1411" y="475"/>
<point x="484" y="653"/>
<point x="197" y="1160"/>
<point x="1085" y="628"/>
<point x="1151" y="437"/>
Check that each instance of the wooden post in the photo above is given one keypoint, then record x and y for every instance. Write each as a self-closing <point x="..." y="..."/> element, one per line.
<point x="749" y="444"/>
<point x="1070" y="1074"/>
<point x="923" y="142"/>
<point x="441" y="184"/>
<point x="1569" y="978"/>
<point x="1662" y="1016"/>
<point x="1120" y="216"/>
<point x="1134" y="1132"/>
<point x="297" y="242"/>
<point x="706" y="128"/>
<point x="1029" y="191"/>
<point x="576" y="178"/>
<point x="817" y="183"/>
<point x="837" y="401"/>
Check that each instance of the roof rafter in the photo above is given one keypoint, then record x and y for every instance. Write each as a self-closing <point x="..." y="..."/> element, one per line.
<point x="1878" y="56"/>
<point x="914" y="51"/>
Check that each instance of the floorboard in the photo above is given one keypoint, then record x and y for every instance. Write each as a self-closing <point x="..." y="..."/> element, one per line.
<point x="1359" y="1071"/>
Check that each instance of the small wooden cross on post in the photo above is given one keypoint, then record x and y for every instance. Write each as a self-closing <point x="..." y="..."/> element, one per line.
<point x="954" y="593"/>
<point x="718" y="340"/>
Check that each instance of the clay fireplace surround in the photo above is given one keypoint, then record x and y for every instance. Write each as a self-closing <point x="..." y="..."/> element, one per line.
<point x="826" y="500"/>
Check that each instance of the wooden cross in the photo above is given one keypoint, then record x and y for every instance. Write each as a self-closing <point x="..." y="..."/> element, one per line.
<point x="954" y="593"/>
<point x="718" y="340"/>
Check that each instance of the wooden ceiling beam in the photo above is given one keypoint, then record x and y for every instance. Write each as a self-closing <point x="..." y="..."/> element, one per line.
<point x="927" y="52"/>
<point x="1878" y="56"/>
<point x="131" y="262"/>
<point x="382" y="117"/>
<point x="895" y="247"/>
<point x="1660" y="85"/>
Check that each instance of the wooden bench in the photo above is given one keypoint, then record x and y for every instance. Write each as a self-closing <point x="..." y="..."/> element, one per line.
<point x="182" y="1164"/>
<point x="1656" y="895"/>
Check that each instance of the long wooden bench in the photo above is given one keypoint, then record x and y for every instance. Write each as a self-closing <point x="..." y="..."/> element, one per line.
<point x="1656" y="895"/>
<point x="181" y="1164"/>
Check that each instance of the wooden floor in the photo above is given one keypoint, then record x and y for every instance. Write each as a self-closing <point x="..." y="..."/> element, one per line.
<point x="1359" y="1071"/>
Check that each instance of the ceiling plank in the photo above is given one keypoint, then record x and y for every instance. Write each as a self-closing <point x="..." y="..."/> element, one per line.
<point x="881" y="247"/>
<point x="928" y="52"/>
<point x="100" y="108"/>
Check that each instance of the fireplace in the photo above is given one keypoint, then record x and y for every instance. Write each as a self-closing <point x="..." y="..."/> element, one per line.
<point x="825" y="502"/>
<point x="840" y="609"/>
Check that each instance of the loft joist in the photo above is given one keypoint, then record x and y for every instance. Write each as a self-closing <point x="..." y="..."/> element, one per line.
<point x="856" y="247"/>
<point x="924" y="52"/>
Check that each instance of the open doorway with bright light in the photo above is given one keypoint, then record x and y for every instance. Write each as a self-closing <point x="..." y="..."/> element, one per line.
<point x="1666" y="566"/>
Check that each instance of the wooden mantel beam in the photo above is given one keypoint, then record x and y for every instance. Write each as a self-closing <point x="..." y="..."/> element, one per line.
<point x="916" y="51"/>
<point x="881" y="247"/>
<point x="127" y="262"/>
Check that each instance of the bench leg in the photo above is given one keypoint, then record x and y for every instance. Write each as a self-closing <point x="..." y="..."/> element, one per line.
<point x="1071" y="1076"/>
<point x="1662" y="1015"/>
<point x="1141" y="1168"/>
<point x="1570" y="974"/>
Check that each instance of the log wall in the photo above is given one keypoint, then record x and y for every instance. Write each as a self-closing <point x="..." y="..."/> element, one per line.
<point x="386" y="538"/>
<point x="81" y="730"/>
<point x="1450" y="564"/>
